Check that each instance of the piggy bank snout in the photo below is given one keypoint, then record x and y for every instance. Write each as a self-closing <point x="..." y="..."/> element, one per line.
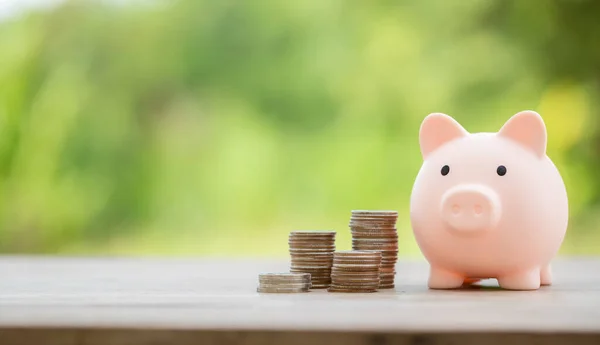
<point x="470" y="208"/>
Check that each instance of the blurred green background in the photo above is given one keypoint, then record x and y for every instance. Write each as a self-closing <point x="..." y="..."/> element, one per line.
<point x="213" y="128"/>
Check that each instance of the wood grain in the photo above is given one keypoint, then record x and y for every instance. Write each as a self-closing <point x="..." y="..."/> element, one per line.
<point x="161" y="301"/>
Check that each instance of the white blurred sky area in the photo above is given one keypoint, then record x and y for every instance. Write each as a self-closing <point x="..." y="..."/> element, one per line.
<point x="12" y="8"/>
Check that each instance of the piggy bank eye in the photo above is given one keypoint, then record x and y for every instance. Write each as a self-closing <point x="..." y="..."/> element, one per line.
<point x="501" y="170"/>
<point x="445" y="170"/>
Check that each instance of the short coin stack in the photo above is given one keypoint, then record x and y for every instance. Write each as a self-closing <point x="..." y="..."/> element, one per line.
<point x="312" y="252"/>
<point x="355" y="271"/>
<point x="283" y="282"/>
<point x="376" y="230"/>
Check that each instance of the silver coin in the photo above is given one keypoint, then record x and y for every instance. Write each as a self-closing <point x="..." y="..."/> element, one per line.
<point x="292" y="276"/>
<point x="337" y="290"/>
<point x="382" y="228"/>
<point x="313" y="233"/>
<point x="284" y="275"/>
<point x="355" y="253"/>
<point x="367" y="259"/>
<point x="322" y="255"/>
<point x="305" y="277"/>
<point x="339" y="280"/>
<point x="362" y="274"/>
<point x="285" y="286"/>
<point x="375" y="212"/>
<point x="375" y="243"/>
<point x="345" y="285"/>
<point x="295" y="244"/>
<point x="281" y="290"/>
<point x="322" y="286"/>
<point x="374" y="266"/>
<point x="376" y="240"/>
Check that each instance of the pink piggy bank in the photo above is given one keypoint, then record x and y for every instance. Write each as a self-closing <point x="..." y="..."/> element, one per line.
<point x="488" y="205"/>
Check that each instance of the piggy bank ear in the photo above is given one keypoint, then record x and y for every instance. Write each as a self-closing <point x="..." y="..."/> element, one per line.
<point x="436" y="130"/>
<point x="528" y="129"/>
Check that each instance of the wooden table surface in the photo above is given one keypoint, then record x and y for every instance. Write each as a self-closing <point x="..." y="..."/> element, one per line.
<point x="76" y="301"/>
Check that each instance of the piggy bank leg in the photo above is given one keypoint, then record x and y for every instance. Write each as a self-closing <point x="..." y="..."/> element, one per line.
<point x="443" y="279"/>
<point x="546" y="275"/>
<point x="523" y="280"/>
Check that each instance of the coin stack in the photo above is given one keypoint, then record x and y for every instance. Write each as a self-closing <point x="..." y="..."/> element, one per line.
<point x="355" y="271"/>
<point x="312" y="252"/>
<point x="283" y="282"/>
<point x="376" y="230"/>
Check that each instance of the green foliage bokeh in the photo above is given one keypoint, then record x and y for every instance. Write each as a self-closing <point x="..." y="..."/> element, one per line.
<point x="216" y="127"/>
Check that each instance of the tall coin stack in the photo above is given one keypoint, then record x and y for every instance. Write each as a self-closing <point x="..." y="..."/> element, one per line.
<point x="283" y="282"/>
<point x="312" y="252"/>
<point x="355" y="271"/>
<point x="376" y="230"/>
